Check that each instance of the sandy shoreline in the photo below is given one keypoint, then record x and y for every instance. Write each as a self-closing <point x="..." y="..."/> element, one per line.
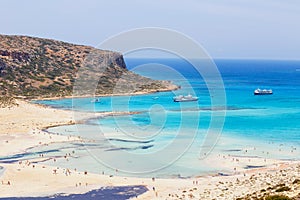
<point x="170" y="88"/>
<point x="21" y="128"/>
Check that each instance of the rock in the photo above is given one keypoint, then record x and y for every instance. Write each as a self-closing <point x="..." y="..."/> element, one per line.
<point x="35" y="67"/>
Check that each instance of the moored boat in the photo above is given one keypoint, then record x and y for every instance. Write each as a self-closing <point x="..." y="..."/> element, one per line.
<point x="186" y="98"/>
<point x="262" y="92"/>
<point x="96" y="100"/>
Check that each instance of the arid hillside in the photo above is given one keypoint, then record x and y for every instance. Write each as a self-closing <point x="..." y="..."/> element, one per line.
<point x="34" y="67"/>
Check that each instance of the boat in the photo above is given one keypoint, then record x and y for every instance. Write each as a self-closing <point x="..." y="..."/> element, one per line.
<point x="262" y="92"/>
<point x="182" y="98"/>
<point x="96" y="100"/>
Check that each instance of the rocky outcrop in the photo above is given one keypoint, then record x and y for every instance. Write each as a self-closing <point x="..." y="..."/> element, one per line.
<point x="34" y="67"/>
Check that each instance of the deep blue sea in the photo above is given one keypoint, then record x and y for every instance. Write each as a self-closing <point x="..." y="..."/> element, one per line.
<point x="166" y="138"/>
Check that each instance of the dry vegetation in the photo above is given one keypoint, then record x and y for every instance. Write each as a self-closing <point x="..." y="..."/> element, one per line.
<point x="33" y="67"/>
<point x="6" y="101"/>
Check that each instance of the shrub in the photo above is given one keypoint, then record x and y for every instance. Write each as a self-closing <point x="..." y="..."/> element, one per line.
<point x="277" y="197"/>
<point x="296" y="181"/>
<point x="282" y="189"/>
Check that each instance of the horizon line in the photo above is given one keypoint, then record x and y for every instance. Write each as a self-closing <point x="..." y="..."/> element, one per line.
<point x="221" y="58"/>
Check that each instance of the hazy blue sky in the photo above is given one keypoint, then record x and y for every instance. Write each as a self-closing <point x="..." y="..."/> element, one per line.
<point x="225" y="28"/>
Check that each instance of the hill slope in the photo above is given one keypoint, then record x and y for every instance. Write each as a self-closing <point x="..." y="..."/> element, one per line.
<point x="35" y="67"/>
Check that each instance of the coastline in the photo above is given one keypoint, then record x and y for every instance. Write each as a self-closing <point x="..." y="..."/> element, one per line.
<point x="42" y="181"/>
<point x="170" y="88"/>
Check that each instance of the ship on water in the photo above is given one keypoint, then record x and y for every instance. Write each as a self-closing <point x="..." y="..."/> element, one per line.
<point x="186" y="98"/>
<point x="263" y="92"/>
<point x="96" y="100"/>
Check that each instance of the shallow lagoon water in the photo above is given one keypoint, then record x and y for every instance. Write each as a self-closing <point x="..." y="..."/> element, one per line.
<point x="266" y="123"/>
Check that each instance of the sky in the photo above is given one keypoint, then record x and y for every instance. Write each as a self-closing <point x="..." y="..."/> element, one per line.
<point x="268" y="29"/>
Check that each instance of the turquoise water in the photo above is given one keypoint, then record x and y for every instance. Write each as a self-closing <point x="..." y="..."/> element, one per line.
<point x="169" y="135"/>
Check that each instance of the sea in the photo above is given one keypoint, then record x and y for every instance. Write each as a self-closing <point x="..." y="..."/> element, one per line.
<point x="153" y="136"/>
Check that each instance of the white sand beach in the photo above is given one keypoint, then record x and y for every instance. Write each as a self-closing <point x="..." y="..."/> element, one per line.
<point x="21" y="128"/>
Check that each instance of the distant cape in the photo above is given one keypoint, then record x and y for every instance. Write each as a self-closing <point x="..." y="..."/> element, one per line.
<point x="34" y="67"/>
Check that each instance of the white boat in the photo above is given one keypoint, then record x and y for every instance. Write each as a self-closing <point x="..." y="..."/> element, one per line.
<point x="262" y="92"/>
<point x="96" y="100"/>
<point x="187" y="98"/>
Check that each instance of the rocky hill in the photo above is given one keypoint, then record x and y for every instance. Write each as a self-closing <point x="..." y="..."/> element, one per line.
<point x="34" y="67"/>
